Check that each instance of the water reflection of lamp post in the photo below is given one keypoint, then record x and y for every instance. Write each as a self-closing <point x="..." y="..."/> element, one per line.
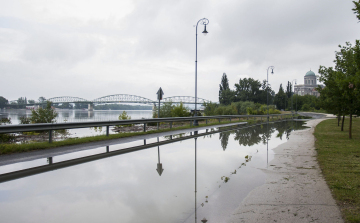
<point x="205" y="22"/>
<point x="159" y="168"/>
<point x="267" y="89"/>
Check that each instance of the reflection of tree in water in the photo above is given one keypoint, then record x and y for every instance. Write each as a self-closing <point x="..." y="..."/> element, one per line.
<point x="287" y="127"/>
<point x="224" y="138"/>
<point x="253" y="135"/>
<point x="256" y="134"/>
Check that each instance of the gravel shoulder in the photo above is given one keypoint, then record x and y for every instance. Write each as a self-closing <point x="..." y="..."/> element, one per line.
<point x="295" y="190"/>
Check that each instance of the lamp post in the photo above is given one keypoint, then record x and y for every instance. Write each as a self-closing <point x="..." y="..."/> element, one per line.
<point x="267" y="89"/>
<point x="205" y="22"/>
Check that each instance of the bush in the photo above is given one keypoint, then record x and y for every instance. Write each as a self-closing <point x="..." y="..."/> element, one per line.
<point x="6" y="138"/>
<point x="24" y="120"/>
<point x="44" y="115"/>
<point x="306" y="107"/>
<point x="179" y="111"/>
<point x="124" y="116"/>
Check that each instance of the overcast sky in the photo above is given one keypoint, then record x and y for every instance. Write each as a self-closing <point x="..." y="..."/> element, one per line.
<point x="91" y="49"/>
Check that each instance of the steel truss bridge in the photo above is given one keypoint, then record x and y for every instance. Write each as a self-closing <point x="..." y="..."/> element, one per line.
<point x="120" y="98"/>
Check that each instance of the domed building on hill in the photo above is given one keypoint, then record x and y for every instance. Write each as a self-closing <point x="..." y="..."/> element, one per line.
<point x="308" y="88"/>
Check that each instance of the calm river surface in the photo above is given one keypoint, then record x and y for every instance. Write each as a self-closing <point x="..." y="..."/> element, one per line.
<point x="75" y="115"/>
<point x="128" y="188"/>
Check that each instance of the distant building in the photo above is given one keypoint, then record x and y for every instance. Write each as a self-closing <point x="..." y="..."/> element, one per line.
<point x="308" y="88"/>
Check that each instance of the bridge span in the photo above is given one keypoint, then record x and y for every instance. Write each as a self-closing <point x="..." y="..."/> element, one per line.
<point x="119" y="98"/>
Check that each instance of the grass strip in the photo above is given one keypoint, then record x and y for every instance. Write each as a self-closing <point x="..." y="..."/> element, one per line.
<point x="339" y="159"/>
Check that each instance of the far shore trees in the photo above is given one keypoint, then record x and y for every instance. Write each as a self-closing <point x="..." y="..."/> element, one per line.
<point x="3" y="102"/>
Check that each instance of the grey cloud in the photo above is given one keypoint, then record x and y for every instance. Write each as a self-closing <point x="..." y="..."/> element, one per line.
<point x="61" y="49"/>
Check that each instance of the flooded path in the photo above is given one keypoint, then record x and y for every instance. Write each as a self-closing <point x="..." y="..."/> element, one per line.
<point x="206" y="175"/>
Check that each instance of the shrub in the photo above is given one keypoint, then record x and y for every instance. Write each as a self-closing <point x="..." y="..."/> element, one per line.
<point x="44" y="115"/>
<point x="6" y="138"/>
<point x="124" y="116"/>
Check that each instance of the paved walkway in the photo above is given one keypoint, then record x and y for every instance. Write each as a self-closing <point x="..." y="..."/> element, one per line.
<point x="295" y="190"/>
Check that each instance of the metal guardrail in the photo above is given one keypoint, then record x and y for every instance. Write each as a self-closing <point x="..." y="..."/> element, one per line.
<point x="73" y="125"/>
<point x="72" y="162"/>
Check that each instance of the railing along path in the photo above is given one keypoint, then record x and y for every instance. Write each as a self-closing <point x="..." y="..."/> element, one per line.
<point x="74" y="125"/>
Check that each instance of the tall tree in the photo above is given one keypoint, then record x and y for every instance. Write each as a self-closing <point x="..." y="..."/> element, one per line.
<point x="357" y="9"/>
<point x="280" y="98"/>
<point x="247" y="89"/>
<point x="225" y="93"/>
<point x="289" y="89"/>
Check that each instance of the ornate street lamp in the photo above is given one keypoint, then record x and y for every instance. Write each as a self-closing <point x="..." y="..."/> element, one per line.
<point x="205" y="22"/>
<point x="267" y="89"/>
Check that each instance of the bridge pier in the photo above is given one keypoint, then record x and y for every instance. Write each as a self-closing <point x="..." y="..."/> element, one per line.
<point x="90" y="107"/>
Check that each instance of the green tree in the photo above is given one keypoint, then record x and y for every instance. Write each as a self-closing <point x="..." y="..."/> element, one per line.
<point x="280" y="98"/>
<point x="44" y="115"/>
<point x="226" y="95"/>
<point x="3" y="102"/>
<point x="344" y="80"/>
<point x="31" y="101"/>
<point x="289" y="92"/>
<point x="247" y="89"/>
<point x="357" y="9"/>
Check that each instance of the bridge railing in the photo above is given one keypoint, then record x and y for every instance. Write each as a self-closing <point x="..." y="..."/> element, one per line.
<point x="74" y="125"/>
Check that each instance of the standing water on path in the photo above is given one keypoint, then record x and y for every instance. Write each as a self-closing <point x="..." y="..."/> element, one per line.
<point x="186" y="181"/>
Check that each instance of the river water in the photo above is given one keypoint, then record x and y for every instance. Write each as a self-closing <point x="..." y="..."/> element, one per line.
<point x="221" y="167"/>
<point x="75" y="115"/>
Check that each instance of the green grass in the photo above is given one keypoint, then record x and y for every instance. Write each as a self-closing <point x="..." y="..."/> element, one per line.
<point x="339" y="159"/>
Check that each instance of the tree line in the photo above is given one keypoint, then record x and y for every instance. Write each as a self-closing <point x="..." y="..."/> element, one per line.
<point x="250" y="96"/>
<point x="341" y="94"/>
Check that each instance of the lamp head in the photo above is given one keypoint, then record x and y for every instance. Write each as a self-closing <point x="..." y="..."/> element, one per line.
<point x="272" y="70"/>
<point x="205" y="32"/>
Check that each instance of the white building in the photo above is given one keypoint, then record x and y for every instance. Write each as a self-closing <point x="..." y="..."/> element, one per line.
<point x="308" y="88"/>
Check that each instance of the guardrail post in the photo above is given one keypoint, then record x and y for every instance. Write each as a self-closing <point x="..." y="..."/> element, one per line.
<point x="230" y="119"/>
<point x="50" y="160"/>
<point x="219" y="120"/>
<point x="247" y="117"/>
<point x="170" y="125"/>
<point x="144" y="127"/>
<point x="190" y="123"/>
<point x="261" y="118"/>
<point x="50" y="136"/>
<point x="206" y="121"/>
<point x="107" y="130"/>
